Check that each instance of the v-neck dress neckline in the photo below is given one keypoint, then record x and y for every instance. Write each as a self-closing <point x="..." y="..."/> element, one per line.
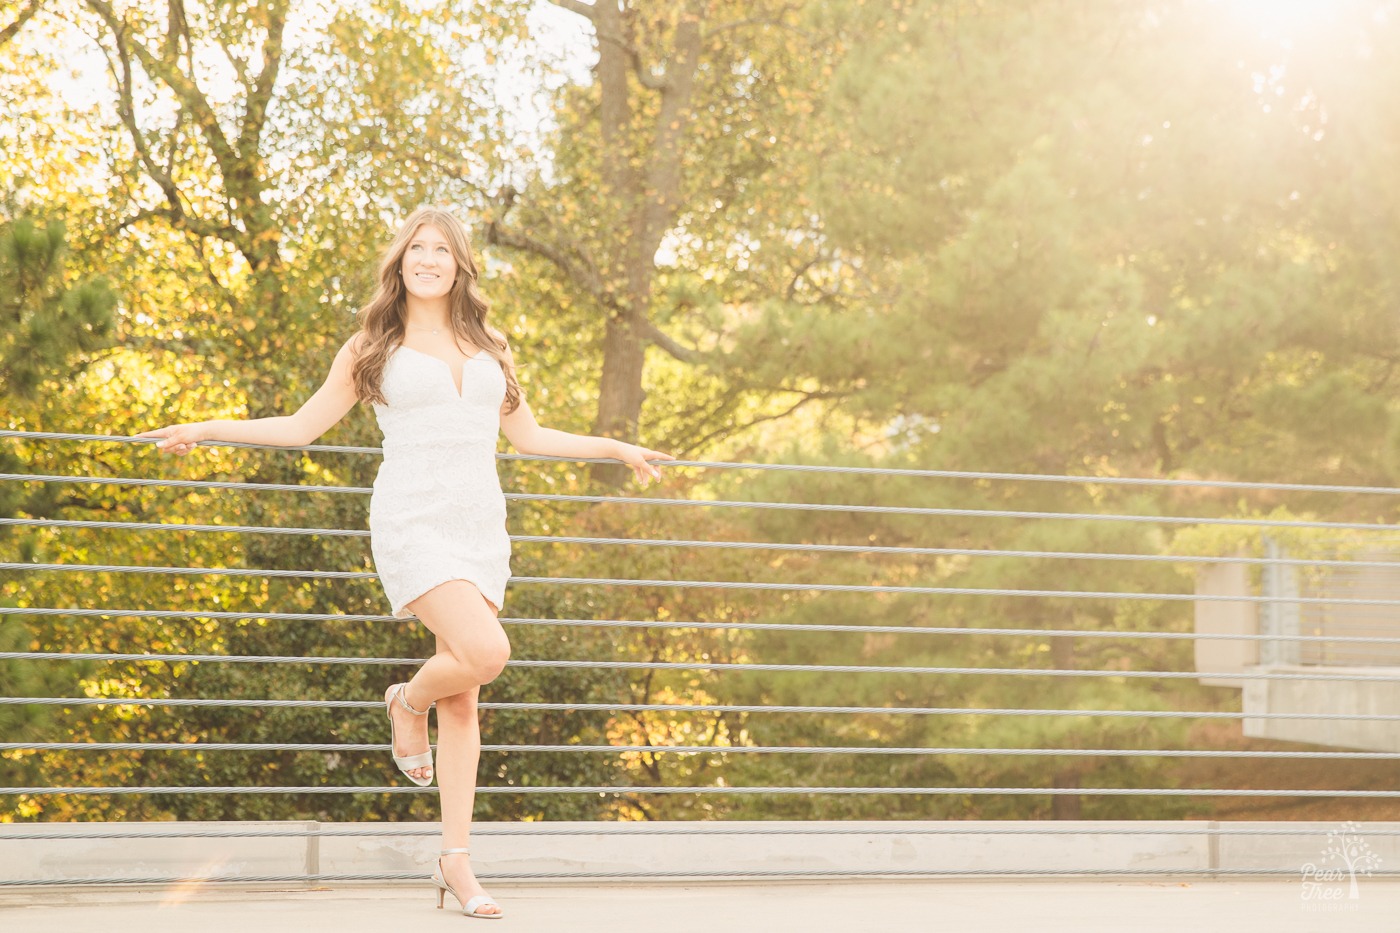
<point x="458" y="379"/>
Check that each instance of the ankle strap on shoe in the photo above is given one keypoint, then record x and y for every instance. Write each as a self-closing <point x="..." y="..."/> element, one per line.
<point x="398" y="695"/>
<point x="455" y="852"/>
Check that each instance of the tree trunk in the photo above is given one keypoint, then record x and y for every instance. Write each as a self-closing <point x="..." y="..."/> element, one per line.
<point x="1066" y="806"/>
<point x="620" y="390"/>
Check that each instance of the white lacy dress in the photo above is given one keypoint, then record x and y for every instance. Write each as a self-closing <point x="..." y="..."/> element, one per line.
<point x="437" y="512"/>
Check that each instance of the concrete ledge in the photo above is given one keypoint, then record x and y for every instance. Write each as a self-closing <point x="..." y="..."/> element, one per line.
<point x="1350" y="698"/>
<point x="696" y="850"/>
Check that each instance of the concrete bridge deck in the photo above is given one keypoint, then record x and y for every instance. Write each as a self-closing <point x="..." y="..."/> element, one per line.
<point x="917" y="876"/>
<point x="959" y="906"/>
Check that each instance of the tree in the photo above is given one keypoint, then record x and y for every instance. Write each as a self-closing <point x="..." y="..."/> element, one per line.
<point x="50" y="326"/>
<point x="686" y="143"/>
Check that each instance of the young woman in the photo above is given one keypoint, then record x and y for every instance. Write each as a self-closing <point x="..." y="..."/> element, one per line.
<point x="442" y="384"/>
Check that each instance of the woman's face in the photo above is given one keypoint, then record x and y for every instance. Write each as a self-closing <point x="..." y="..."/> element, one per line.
<point x="428" y="266"/>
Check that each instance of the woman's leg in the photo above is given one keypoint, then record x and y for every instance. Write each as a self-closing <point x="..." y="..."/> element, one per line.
<point x="459" y="753"/>
<point x="472" y="649"/>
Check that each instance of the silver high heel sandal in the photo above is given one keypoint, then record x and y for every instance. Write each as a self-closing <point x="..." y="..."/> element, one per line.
<point x="408" y="762"/>
<point x="469" y="907"/>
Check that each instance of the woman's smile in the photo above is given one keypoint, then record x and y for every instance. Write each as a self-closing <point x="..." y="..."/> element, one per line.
<point x="429" y="268"/>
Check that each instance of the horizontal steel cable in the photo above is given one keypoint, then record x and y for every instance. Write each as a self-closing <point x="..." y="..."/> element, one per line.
<point x="715" y="828"/>
<point x="602" y="665"/>
<point x="721" y="503"/>
<point x="741" y="874"/>
<point x="699" y="750"/>
<point x="690" y="666"/>
<point x="482" y="875"/>
<point x="192" y="571"/>
<point x="900" y="550"/>
<point x="781" y="791"/>
<point x="707" y="708"/>
<point x="624" y="875"/>
<point x="731" y="626"/>
<point x="736" y="585"/>
<point x="786" y="467"/>
<point x="709" y="749"/>
<point x="383" y="747"/>
<point x="179" y="526"/>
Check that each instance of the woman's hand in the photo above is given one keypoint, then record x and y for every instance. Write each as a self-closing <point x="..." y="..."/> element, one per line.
<point x="637" y="457"/>
<point x="179" y="439"/>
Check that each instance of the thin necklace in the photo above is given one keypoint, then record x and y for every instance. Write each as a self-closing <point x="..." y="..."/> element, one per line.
<point x="435" y="330"/>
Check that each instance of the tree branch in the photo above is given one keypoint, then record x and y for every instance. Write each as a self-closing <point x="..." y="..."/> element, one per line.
<point x="260" y="94"/>
<point x="774" y="19"/>
<point x="634" y="58"/>
<point x="730" y="430"/>
<point x="648" y="80"/>
<point x="177" y="25"/>
<point x="664" y="173"/>
<point x="179" y="219"/>
<point x="498" y="235"/>
<point x="126" y="110"/>
<point x="576" y="6"/>
<point x="185" y="89"/>
<point x="800" y="274"/>
<point x="681" y="352"/>
<point x="10" y="31"/>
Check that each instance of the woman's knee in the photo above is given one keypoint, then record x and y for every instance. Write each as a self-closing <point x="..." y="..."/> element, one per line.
<point x="482" y="661"/>
<point x="491" y="658"/>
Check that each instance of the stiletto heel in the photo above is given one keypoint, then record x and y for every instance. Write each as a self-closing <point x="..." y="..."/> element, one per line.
<point x="409" y="762"/>
<point x="469" y="907"/>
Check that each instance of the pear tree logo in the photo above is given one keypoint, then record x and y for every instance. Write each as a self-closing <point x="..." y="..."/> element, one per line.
<point x="1331" y="883"/>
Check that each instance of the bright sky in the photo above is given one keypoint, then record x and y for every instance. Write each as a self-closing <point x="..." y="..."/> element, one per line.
<point x="1281" y="19"/>
<point x="560" y="37"/>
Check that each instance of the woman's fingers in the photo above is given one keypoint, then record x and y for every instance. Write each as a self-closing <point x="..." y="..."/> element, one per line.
<point x="637" y="458"/>
<point x="174" y="439"/>
<point x="656" y="455"/>
<point x="647" y="471"/>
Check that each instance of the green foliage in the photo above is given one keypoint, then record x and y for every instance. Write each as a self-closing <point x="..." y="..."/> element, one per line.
<point x="1106" y="239"/>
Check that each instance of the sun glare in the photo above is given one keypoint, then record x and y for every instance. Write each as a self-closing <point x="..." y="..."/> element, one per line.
<point x="1281" y="19"/>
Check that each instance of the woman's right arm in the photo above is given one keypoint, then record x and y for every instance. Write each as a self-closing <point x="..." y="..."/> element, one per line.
<point x="316" y="416"/>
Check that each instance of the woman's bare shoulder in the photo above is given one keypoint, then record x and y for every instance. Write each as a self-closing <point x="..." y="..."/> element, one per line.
<point x="355" y="344"/>
<point x="501" y="341"/>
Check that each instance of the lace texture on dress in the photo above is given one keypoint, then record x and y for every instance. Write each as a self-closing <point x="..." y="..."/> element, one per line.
<point x="437" y="512"/>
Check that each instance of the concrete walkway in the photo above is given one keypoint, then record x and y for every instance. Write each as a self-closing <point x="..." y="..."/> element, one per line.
<point x="1192" y="905"/>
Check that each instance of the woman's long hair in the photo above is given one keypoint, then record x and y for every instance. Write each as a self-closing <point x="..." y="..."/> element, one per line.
<point x="383" y="320"/>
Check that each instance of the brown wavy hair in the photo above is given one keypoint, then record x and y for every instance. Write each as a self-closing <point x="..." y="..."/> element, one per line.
<point x="383" y="319"/>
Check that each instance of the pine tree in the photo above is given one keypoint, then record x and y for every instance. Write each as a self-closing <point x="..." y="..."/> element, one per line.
<point x="48" y="327"/>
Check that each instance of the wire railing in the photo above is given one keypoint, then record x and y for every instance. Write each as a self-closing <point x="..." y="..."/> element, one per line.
<point x="1141" y="642"/>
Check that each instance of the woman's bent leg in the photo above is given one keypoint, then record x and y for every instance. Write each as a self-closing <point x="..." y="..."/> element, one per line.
<point x="472" y="650"/>
<point x="472" y="646"/>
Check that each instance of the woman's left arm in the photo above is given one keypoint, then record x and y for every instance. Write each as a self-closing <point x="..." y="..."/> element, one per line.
<point x="529" y="437"/>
